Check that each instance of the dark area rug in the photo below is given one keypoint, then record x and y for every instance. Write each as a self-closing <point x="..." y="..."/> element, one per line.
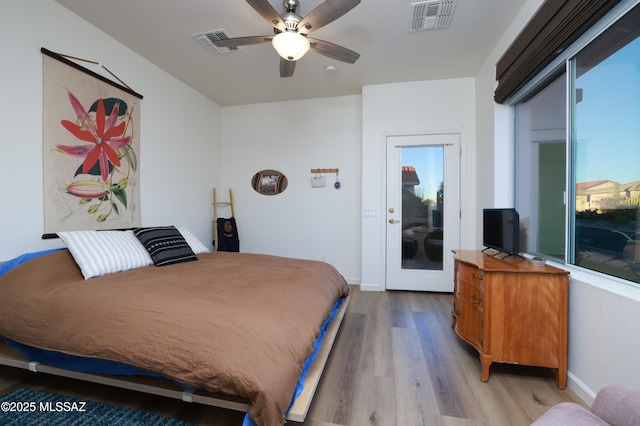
<point x="27" y="407"/>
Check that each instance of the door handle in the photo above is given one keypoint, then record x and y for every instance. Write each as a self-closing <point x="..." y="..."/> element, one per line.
<point x="392" y="221"/>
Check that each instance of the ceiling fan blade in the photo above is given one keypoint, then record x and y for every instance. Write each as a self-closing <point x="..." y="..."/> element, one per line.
<point x="333" y="51"/>
<point x="243" y="41"/>
<point x="287" y="67"/>
<point x="326" y="12"/>
<point x="264" y="8"/>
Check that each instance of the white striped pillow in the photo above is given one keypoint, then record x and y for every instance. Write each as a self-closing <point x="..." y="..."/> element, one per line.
<point x="105" y="252"/>
<point x="193" y="241"/>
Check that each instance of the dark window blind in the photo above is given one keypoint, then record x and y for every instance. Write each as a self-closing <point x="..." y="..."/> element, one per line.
<point x="554" y="27"/>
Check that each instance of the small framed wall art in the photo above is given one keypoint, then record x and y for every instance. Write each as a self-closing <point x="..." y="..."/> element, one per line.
<point x="269" y="182"/>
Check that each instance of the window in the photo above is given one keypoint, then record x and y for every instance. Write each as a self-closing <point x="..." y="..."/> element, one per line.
<point x="578" y="191"/>
<point x="541" y="170"/>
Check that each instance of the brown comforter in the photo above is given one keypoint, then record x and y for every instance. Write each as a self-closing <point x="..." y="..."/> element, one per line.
<point x="236" y="323"/>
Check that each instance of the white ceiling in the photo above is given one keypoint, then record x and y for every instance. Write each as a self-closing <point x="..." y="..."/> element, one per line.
<point x="161" y="31"/>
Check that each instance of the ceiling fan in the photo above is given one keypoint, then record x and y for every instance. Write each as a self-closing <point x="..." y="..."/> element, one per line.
<point x="290" y="32"/>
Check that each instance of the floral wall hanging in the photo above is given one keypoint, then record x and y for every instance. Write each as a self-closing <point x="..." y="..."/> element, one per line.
<point x="91" y="146"/>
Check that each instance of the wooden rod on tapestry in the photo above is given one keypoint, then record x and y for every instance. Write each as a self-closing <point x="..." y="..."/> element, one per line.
<point x="316" y="171"/>
<point x="99" y="64"/>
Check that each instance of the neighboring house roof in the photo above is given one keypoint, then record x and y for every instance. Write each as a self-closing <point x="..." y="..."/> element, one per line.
<point x="604" y="186"/>
<point x="409" y="176"/>
<point x="585" y="186"/>
<point x="631" y="186"/>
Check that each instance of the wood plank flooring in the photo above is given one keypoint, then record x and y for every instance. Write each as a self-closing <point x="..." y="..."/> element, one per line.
<point x="396" y="362"/>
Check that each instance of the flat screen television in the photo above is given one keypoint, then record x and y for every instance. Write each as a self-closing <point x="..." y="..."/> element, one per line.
<point x="501" y="230"/>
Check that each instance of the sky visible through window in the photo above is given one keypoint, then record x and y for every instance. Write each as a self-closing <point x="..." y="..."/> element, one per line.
<point x="429" y="164"/>
<point x="608" y="119"/>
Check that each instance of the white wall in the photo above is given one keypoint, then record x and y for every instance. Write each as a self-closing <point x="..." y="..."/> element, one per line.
<point x="603" y="312"/>
<point x="293" y="138"/>
<point x="179" y="133"/>
<point x="410" y="107"/>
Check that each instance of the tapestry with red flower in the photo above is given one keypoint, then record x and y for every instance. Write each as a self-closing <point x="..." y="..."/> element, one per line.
<point x="90" y="149"/>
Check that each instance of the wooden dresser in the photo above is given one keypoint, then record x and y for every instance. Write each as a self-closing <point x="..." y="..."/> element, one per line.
<point x="511" y="312"/>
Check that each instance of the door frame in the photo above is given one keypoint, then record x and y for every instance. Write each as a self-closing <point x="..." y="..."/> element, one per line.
<point x="460" y="133"/>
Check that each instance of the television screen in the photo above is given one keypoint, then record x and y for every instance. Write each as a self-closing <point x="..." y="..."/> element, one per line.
<point x="501" y="228"/>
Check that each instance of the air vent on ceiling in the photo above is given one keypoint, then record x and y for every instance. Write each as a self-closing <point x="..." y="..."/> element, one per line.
<point x="207" y="38"/>
<point x="431" y="14"/>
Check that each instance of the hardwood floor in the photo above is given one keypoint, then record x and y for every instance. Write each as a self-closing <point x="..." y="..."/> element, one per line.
<point x="396" y="361"/>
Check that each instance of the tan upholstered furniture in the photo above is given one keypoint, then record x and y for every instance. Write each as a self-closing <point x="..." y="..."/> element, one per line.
<point x="615" y="405"/>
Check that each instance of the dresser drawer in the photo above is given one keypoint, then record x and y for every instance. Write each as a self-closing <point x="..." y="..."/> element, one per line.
<point x="469" y="323"/>
<point x="469" y="293"/>
<point x="469" y="274"/>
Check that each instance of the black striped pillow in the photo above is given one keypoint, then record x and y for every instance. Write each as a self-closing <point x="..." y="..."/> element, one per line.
<point x="165" y="245"/>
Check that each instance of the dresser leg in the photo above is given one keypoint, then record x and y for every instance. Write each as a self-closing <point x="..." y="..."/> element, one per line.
<point x="561" y="378"/>
<point x="485" y="363"/>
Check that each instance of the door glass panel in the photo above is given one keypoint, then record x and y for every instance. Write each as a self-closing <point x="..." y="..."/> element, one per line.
<point x="422" y="207"/>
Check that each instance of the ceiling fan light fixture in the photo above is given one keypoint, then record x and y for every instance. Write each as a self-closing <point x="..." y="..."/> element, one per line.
<point x="290" y="45"/>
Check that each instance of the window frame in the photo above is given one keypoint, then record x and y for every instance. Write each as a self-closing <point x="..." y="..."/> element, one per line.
<point x="565" y="62"/>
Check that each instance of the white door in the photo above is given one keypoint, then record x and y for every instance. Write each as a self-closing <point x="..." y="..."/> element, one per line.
<point x="423" y="211"/>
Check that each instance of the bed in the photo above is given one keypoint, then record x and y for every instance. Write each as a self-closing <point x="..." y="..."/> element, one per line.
<point x="242" y="329"/>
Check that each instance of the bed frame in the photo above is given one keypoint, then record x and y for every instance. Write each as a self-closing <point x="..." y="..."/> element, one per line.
<point x="163" y="387"/>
